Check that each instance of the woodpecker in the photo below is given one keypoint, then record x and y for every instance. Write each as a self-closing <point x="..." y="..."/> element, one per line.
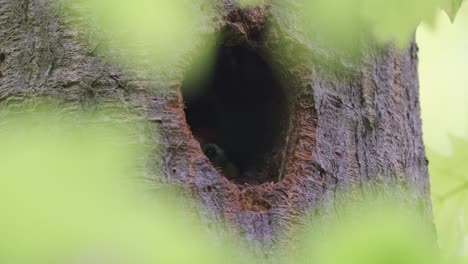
<point x="220" y="161"/>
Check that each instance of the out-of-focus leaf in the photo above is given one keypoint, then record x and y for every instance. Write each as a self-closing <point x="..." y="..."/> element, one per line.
<point x="148" y="33"/>
<point x="68" y="194"/>
<point x="451" y="7"/>
<point x="348" y="24"/>
<point x="374" y="234"/>
<point x="449" y="184"/>
<point x="443" y="60"/>
<point x="397" y="20"/>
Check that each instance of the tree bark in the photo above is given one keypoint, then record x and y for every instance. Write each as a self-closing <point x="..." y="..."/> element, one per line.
<point x="360" y="129"/>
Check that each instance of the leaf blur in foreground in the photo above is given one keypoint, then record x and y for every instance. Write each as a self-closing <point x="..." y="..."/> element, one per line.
<point x="380" y="232"/>
<point x="346" y="24"/>
<point x="443" y="62"/>
<point x="451" y="7"/>
<point x="449" y="184"/>
<point x="143" y="32"/>
<point x="67" y="195"/>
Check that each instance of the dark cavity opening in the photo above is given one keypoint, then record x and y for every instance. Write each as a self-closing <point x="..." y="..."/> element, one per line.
<point x="237" y="112"/>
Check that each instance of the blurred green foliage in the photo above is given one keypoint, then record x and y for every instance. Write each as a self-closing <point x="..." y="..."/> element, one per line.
<point x="451" y="7"/>
<point x="443" y="65"/>
<point x="157" y="32"/>
<point x="443" y="60"/>
<point x="349" y="24"/>
<point x="449" y="186"/>
<point x="68" y="194"/>
<point x="146" y="34"/>
<point x="379" y="230"/>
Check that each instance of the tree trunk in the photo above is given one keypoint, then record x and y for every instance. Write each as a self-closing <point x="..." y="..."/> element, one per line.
<point x="312" y="132"/>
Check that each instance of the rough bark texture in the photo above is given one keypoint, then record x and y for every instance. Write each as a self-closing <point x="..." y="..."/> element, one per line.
<point x="361" y="129"/>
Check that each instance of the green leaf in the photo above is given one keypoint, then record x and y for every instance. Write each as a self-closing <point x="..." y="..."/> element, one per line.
<point x="381" y="233"/>
<point x="69" y="194"/>
<point x="145" y="32"/>
<point x="347" y="25"/>
<point x="449" y="187"/>
<point x="451" y="7"/>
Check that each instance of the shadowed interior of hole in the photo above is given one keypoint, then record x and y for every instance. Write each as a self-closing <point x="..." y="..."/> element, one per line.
<point x="239" y="106"/>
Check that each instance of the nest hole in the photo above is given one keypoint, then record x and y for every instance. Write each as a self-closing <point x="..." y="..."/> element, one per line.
<point x="238" y="113"/>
